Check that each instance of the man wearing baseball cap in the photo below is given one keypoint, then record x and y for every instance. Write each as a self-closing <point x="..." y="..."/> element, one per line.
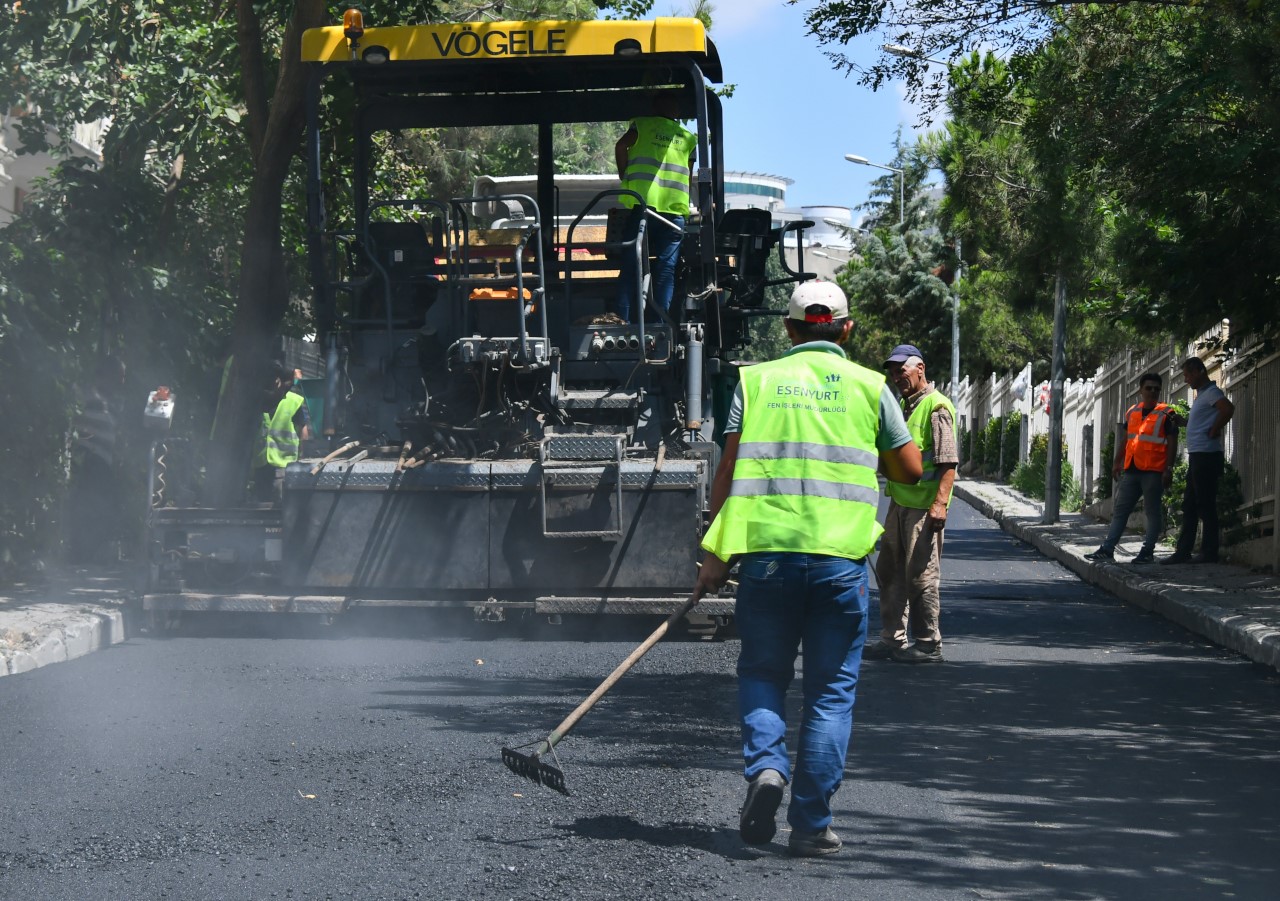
<point x="794" y="501"/>
<point x="909" y="566"/>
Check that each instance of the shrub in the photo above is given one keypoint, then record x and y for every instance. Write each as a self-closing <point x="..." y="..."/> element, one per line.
<point x="1029" y="476"/>
<point x="991" y="445"/>
<point x="979" y="449"/>
<point x="1010" y="442"/>
<point x="1230" y="499"/>
<point x="1103" y="483"/>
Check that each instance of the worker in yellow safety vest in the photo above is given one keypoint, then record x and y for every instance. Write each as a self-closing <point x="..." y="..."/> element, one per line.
<point x="794" y="503"/>
<point x="655" y="159"/>
<point x="1143" y="468"/>
<point x="285" y="424"/>
<point x="909" y="566"/>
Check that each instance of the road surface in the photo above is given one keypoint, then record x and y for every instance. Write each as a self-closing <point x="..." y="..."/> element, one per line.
<point x="1071" y="747"/>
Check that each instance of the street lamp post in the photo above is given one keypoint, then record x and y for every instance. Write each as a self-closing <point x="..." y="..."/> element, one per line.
<point x="902" y="181"/>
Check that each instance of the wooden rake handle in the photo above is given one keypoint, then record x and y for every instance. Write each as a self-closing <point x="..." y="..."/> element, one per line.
<point x="560" y="731"/>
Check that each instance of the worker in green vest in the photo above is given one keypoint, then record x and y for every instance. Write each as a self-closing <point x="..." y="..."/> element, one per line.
<point x="909" y="566"/>
<point x="655" y="159"/>
<point x="284" y="426"/>
<point x="794" y="504"/>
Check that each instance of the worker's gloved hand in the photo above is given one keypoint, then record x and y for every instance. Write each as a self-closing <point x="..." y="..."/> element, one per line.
<point x="712" y="575"/>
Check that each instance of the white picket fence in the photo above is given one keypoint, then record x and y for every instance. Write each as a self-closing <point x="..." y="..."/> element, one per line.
<point x="1096" y="405"/>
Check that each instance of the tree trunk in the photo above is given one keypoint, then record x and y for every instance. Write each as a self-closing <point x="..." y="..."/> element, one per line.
<point x="264" y="288"/>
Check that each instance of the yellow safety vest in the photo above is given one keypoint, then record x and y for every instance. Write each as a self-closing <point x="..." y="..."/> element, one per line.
<point x="658" y="165"/>
<point x="920" y="424"/>
<point x="278" y="442"/>
<point x="805" y="476"/>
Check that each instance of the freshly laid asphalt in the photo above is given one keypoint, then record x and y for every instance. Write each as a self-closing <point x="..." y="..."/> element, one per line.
<point x="1231" y="606"/>
<point x="72" y="612"/>
<point x="1071" y="747"/>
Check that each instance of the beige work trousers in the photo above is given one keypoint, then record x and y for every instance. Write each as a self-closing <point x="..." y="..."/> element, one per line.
<point x="909" y="571"/>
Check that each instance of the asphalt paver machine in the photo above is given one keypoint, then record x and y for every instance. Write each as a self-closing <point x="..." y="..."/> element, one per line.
<point x="495" y="437"/>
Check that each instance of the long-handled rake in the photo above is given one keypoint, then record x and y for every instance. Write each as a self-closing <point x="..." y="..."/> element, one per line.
<point x="531" y="765"/>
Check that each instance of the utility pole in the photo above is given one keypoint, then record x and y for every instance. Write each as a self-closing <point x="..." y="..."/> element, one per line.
<point x="1057" y="379"/>
<point x="955" y="319"/>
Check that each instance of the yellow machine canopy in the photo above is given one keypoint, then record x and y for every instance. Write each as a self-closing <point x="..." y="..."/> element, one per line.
<point x="511" y="41"/>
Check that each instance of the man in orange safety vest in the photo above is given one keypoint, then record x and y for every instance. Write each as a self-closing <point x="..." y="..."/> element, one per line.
<point x="1143" y="468"/>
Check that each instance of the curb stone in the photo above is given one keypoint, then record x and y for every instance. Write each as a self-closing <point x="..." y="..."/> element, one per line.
<point x="64" y="612"/>
<point x="74" y="635"/>
<point x="1193" y="608"/>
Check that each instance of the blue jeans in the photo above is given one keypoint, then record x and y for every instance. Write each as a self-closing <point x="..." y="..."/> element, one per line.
<point x="784" y="601"/>
<point x="664" y="244"/>
<point x="1134" y="484"/>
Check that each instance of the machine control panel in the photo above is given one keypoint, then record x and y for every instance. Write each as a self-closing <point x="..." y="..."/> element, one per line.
<point x="477" y="349"/>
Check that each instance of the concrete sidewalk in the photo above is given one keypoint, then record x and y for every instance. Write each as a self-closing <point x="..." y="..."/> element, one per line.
<point x="63" y="615"/>
<point x="1230" y="605"/>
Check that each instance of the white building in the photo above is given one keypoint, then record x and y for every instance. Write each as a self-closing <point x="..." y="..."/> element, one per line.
<point x="828" y="243"/>
<point x="757" y="191"/>
<point x="20" y="171"/>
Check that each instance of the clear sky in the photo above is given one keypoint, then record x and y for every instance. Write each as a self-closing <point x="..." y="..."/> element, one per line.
<point x="792" y="114"/>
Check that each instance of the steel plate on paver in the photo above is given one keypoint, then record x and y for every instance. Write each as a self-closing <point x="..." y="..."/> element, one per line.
<point x="658" y="606"/>
<point x="244" y="603"/>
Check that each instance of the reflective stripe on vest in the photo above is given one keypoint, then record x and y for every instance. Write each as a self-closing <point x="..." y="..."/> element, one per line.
<point x="921" y="495"/>
<point x="658" y="165"/>
<point x="1146" y="447"/>
<point x="805" y="477"/>
<point x="278" y="442"/>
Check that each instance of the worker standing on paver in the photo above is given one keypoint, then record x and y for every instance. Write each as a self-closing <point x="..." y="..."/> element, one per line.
<point x="655" y="159"/>
<point x="909" y="568"/>
<point x="795" y="498"/>
<point x="285" y="425"/>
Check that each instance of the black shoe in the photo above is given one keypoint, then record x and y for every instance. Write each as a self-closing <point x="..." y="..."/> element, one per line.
<point x="919" y="653"/>
<point x="1101" y="555"/>
<point x="764" y="795"/>
<point x="1144" y="556"/>
<point x="880" y="650"/>
<point x="1175" y="559"/>
<point x="1203" y="558"/>
<point x="814" y="844"/>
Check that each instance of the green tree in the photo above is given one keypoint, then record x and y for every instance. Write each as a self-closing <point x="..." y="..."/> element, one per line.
<point x="898" y="283"/>
<point x="768" y="334"/>
<point x="1174" y="108"/>
<point x="1026" y="211"/>
<point x="191" y="229"/>
<point x="1153" y="130"/>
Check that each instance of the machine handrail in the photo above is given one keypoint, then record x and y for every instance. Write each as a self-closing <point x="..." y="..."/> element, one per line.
<point x="527" y="232"/>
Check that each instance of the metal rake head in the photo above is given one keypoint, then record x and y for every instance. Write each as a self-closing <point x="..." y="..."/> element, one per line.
<point x="531" y="767"/>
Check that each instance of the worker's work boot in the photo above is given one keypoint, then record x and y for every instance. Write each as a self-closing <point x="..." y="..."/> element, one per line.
<point x="919" y="653"/>
<point x="764" y="794"/>
<point x="814" y="844"/>
<point x="880" y="650"/>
